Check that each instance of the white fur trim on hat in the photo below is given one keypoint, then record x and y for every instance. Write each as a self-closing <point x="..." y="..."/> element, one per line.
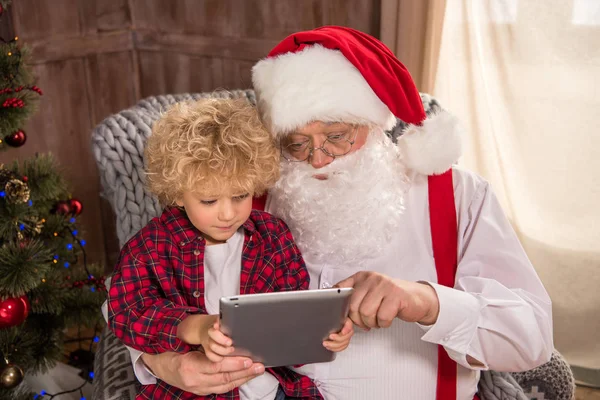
<point x="315" y="84"/>
<point x="434" y="146"/>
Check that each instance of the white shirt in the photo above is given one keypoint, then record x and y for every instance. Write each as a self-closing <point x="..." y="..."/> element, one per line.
<point x="498" y="313"/>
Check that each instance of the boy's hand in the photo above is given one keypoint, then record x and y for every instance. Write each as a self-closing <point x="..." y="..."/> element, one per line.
<point x="216" y="345"/>
<point x="339" y="341"/>
<point x="205" y="330"/>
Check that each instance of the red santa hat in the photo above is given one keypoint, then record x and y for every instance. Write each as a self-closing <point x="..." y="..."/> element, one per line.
<point x="338" y="74"/>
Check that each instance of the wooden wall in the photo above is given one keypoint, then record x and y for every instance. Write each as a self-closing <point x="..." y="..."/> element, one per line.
<point x="96" y="57"/>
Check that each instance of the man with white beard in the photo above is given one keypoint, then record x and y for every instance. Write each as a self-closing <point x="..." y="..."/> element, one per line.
<point x="443" y="288"/>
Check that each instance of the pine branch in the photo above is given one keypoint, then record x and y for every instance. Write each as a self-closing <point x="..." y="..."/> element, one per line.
<point x="48" y="348"/>
<point x="46" y="183"/>
<point x="19" y="393"/>
<point x="36" y="345"/>
<point x="48" y="298"/>
<point x="22" y="266"/>
<point x="85" y="297"/>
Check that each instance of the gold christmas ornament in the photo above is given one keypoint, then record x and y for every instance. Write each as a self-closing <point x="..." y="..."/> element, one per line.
<point x="11" y="376"/>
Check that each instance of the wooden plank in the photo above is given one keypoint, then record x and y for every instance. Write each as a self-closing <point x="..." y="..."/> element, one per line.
<point x="170" y="73"/>
<point x="35" y="19"/>
<point x="153" y="74"/>
<point x="276" y="19"/>
<point x="237" y="74"/>
<point x="109" y="84"/>
<point x="7" y="30"/>
<point x="110" y="92"/>
<point x="104" y="16"/>
<point x="54" y="49"/>
<point x="202" y="17"/>
<point x="363" y="15"/>
<point x="62" y="126"/>
<point x="222" y="47"/>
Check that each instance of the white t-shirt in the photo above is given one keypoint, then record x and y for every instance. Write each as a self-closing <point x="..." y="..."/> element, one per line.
<point x="222" y="268"/>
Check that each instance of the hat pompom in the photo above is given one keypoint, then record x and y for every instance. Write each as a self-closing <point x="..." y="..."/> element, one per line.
<point x="432" y="147"/>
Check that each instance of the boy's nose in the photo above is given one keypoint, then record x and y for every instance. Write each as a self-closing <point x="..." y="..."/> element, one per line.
<point x="226" y="213"/>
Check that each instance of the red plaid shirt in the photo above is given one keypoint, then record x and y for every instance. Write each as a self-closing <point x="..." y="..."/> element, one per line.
<point x="159" y="280"/>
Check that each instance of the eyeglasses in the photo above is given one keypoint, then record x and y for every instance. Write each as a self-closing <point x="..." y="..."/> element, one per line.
<point x="337" y="144"/>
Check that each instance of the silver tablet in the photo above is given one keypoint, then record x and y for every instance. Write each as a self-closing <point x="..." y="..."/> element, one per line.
<point x="284" y="328"/>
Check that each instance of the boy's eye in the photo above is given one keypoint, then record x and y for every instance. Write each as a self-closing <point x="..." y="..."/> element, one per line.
<point x="208" y="202"/>
<point x="241" y="197"/>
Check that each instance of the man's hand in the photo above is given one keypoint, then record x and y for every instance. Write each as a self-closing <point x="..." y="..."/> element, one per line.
<point x="378" y="299"/>
<point x="195" y="373"/>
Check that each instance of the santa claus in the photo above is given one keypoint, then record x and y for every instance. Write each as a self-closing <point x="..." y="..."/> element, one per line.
<point x="443" y="288"/>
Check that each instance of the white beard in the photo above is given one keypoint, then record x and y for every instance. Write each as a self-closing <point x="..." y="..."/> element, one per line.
<point x="351" y="216"/>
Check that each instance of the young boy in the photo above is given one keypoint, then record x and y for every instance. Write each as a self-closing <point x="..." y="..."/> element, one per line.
<point x="205" y="161"/>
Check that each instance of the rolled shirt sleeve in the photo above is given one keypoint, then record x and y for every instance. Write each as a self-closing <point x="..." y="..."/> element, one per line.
<point x="498" y="312"/>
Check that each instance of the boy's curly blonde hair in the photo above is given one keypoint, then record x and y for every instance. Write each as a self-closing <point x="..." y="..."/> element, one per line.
<point x="210" y="147"/>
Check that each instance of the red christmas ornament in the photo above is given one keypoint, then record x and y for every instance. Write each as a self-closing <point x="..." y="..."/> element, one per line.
<point x="16" y="139"/>
<point x="13" y="311"/>
<point x="62" y="208"/>
<point x="75" y="206"/>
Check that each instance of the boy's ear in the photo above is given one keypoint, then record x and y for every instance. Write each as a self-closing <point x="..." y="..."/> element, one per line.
<point x="179" y="203"/>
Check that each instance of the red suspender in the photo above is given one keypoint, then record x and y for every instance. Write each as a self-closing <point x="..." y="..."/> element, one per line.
<point x="444" y="232"/>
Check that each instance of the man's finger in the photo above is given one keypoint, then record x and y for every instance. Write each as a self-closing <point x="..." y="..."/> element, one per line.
<point x="229" y="364"/>
<point x="346" y="283"/>
<point x="369" y="307"/>
<point x="222" y="379"/>
<point x="387" y="312"/>
<point x="355" y="305"/>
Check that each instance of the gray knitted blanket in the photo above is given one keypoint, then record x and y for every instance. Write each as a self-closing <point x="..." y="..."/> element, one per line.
<point x="118" y="146"/>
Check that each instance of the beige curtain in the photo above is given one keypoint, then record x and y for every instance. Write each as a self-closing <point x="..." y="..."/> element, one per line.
<point x="524" y="78"/>
<point x="412" y="29"/>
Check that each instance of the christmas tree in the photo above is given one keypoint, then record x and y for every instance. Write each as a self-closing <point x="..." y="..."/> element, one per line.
<point x="46" y="286"/>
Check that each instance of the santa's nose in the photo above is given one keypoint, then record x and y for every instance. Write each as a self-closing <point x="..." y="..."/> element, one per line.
<point x="319" y="159"/>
